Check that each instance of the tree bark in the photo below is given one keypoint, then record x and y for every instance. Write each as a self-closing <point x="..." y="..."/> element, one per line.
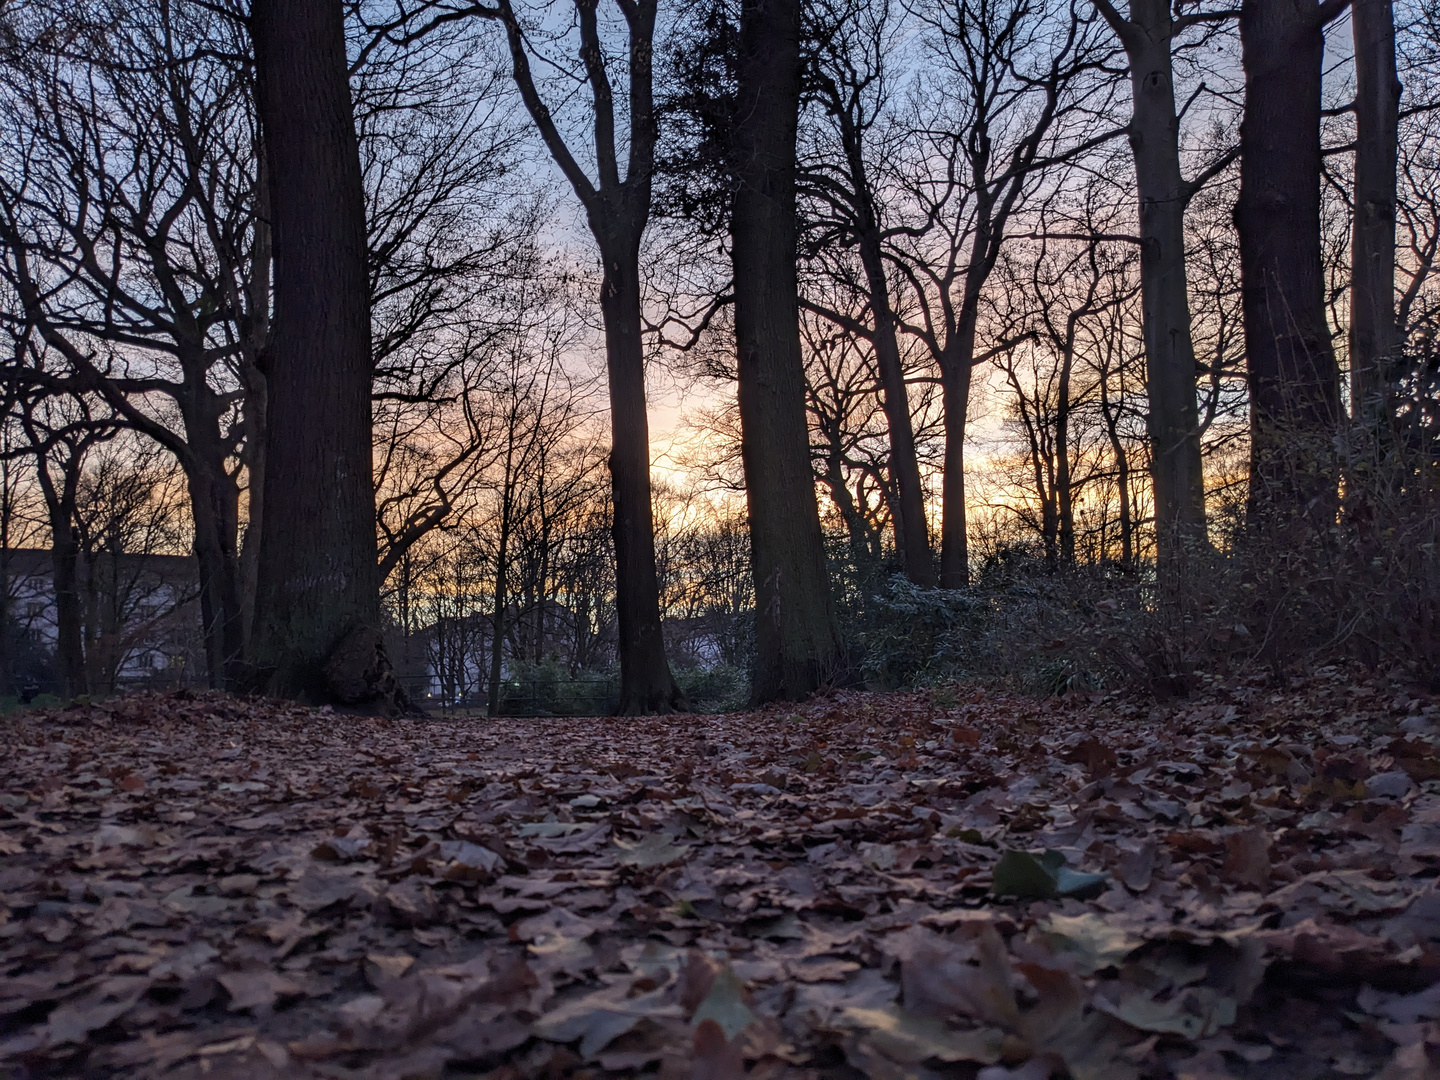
<point x="912" y="533"/>
<point x="957" y="363"/>
<point x="618" y="212"/>
<point x="646" y="683"/>
<point x="69" y="608"/>
<point x="1373" y="331"/>
<point x="64" y="565"/>
<point x="497" y="618"/>
<point x="1293" y="379"/>
<point x="797" y="639"/>
<point x="1174" y="420"/>
<point x="215" y="513"/>
<point x="317" y="610"/>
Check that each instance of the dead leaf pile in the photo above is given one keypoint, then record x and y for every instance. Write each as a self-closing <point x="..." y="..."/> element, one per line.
<point x="904" y="885"/>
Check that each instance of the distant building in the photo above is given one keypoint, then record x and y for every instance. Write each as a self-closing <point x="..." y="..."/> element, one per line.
<point x="140" y="616"/>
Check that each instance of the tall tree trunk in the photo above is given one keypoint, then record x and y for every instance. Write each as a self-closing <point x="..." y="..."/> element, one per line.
<point x="1174" y="419"/>
<point x="911" y="528"/>
<point x="1064" y="497"/>
<point x="1373" y="333"/>
<point x="1293" y="379"/>
<point x="912" y="533"/>
<point x="797" y="639"/>
<point x="317" y="610"/>
<point x="956" y="367"/>
<point x="618" y="211"/>
<point x="497" y="620"/>
<point x="69" y="607"/>
<point x="646" y="684"/>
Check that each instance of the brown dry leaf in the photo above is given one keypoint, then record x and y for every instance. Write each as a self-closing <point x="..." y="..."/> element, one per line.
<point x="716" y="1057"/>
<point x="1137" y="865"/>
<point x="791" y="886"/>
<point x="257" y="989"/>
<point x="1247" y="858"/>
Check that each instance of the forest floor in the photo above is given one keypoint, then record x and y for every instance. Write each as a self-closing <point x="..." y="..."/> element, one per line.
<point x="951" y="884"/>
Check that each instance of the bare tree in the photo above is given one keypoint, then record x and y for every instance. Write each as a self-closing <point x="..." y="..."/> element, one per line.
<point x="59" y="433"/>
<point x="135" y="239"/>
<point x="130" y="529"/>
<point x="850" y="448"/>
<point x="450" y="593"/>
<point x="704" y="548"/>
<point x="1062" y="299"/>
<point x="1148" y="36"/>
<point x="538" y="414"/>
<point x="617" y="210"/>
<point x="137" y="214"/>
<point x="22" y="662"/>
<point x="456" y="268"/>
<point x="850" y="85"/>
<point x="1010" y="95"/>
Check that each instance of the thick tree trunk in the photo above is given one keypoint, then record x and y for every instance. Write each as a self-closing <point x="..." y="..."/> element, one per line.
<point x="797" y="640"/>
<point x="317" y="612"/>
<point x="1174" y="420"/>
<point x="956" y="366"/>
<point x="1373" y="333"/>
<point x="1293" y="379"/>
<point x="646" y="684"/>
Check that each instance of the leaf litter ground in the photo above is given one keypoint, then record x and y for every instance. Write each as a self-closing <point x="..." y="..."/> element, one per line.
<point x="962" y="884"/>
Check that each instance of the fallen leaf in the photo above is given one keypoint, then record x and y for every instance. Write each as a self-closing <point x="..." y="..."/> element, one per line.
<point x="257" y="989"/>
<point x="654" y="850"/>
<point x="1090" y="940"/>
<point x="1022" y="875"/>
<point x="910" y="1039"/>
<point x="724" y="1004"/>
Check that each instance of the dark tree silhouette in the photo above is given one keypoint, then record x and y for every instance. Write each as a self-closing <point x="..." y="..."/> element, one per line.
<point x="1148" y="35"/>
<point x="1374" y="333"/>
<point x="848" y="77"/>
<point x="797" y="642"/>
<point x="317" y="608"/>
<point x="617" y="210"/>
<point x="1294" y="381"/>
